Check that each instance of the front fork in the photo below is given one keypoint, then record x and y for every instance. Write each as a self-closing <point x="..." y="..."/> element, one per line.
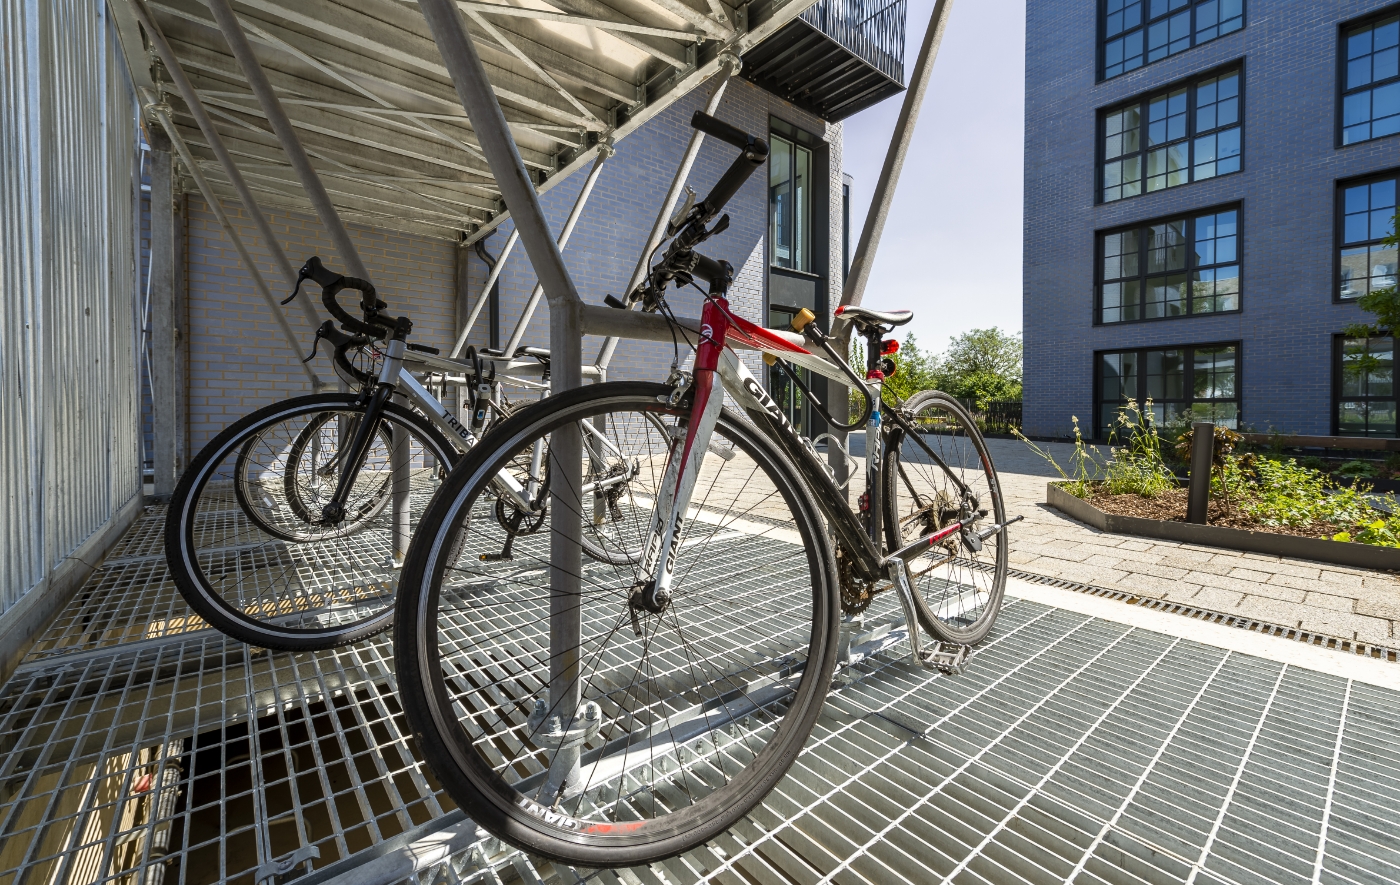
<point x="686" y="455"/>
<point x="334" y="511"/>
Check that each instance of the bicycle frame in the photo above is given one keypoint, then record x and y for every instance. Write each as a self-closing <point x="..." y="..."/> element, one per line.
<point x="717" y="362"/>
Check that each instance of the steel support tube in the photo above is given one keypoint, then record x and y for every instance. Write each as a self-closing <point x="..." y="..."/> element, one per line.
<point x="529" y="311"/>
<point x="565" y="343"/>
<point x="859" y="274"/>
<point x="485" y="293"/>
<point x="658" y="228"/>
<point x="286" y="135"/>
<point x="216" y="144"/>
<point x="162" y="114"/>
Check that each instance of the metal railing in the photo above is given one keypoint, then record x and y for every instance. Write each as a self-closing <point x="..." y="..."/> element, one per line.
<point x="996" y="416"/>
<point x="872" y="29"/>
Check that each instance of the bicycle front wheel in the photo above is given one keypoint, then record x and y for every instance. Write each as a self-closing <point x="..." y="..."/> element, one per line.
<point x="939" y="474"/>
<point x="245" y="540"/>
<point x="668" y="724"/>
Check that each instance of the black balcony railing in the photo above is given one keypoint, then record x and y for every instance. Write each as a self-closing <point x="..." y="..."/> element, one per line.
<point x="872" y="29"/>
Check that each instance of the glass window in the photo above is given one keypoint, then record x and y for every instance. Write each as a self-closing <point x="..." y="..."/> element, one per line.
<point x="789" y="204"/>
<point x="1138" y="32"/>
<point x="1371" y="80"/>
<point x="1187" y="133"/>
<point x="1367" y="214"/>
<point x="1171" y="268"/>
<point x="1364" y="376"/>
<point x="1198" y="382"/>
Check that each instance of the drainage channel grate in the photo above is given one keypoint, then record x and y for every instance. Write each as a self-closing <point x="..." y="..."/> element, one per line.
<point x="1074" y="749"/>
<point x="1308" y="637"/>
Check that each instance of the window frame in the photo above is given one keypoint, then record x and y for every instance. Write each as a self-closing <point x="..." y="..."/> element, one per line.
<point x="1339" y="222"/>
<point x="1370" y="19"/>
<point x="1101" y="56"/>
<point x="1101" y="235"/>
<point x="802" y="140"/>
<point x="1188" y="376"/>
<point x="1143" y="101"/>
<point x="1338" y="345"/>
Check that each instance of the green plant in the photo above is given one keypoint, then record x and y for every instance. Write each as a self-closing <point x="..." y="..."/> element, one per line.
<point x="1086" y="464"/>
<point x="1381" y="532"/>
<point x="1312" y="462"/>
<point x="1358" y="470"/>
<point x="1287" y="493"/>
<point x="1138" y="467"/>
<point x="1392" y="462"/>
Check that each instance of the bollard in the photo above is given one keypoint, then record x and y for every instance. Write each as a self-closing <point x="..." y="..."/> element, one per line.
<point x="1198" y="491"/>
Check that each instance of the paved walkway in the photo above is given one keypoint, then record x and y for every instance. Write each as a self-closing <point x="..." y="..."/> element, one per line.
<point x="1331" y="599"/>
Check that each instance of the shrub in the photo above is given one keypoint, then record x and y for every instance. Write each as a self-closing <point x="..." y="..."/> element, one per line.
<point x="1138" y="467"/>
<point x="1287" y="493"/>
<point x="1358" y="470"/>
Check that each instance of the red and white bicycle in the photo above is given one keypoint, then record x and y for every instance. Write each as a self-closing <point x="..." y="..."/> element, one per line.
<point x="647" y="710"/>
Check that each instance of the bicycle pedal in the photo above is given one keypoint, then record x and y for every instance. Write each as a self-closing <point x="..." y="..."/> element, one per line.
<point x="497" y="557"/>
<point x="948" y="658"/>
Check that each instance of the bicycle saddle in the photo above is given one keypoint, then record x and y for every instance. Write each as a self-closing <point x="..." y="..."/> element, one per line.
<point x="864" y="315"/>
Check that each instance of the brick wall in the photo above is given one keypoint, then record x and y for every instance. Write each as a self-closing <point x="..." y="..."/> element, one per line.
<point x="1286" y="190"/>
<point x="239" y="360"/>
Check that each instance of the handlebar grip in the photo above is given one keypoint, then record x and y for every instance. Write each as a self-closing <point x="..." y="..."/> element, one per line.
<point x="726" y="132"/>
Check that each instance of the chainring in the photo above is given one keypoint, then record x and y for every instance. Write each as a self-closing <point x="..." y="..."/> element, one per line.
<point x="856" y="593"/>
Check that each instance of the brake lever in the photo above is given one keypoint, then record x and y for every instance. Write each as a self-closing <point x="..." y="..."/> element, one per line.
<point x="302" y="276"/>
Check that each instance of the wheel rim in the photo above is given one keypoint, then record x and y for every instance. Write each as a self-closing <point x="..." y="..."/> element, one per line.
<point x="248" y="543"/>
<point x="959" y="586"/>
<point x="685" y="711"/>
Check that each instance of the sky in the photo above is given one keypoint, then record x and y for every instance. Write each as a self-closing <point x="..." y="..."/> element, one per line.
<point x="951" y="250"/>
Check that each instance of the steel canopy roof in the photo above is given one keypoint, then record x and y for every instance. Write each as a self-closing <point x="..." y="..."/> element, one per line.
<point x="371" y="100"/>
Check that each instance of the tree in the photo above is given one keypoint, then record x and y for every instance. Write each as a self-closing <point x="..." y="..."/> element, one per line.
<point x="982" y="365"/>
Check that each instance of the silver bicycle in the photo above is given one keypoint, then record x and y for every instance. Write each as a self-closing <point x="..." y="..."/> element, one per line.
<point x="289" y="528"/>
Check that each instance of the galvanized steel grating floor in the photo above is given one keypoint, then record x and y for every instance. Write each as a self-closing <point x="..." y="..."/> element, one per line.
<point x="1075" y="749"/>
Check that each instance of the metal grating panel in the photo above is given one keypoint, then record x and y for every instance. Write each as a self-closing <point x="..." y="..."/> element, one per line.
<point x="1075" y="749"/>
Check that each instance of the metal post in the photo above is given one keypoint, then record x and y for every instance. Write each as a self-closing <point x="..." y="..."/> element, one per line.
<point x="162" y="114"/>
<point x="858" y="274"/>
<point x="730" y="64"/>
<point x="903" y="135"/>
<point x="167" y="362"/>
<point x="565" y="344"/>
<point x="485" y="292"/>
<point x="286" y="135"/>
<point x="216" y="144"/>
<point x="401" y="476"/>
<point x="1202" y="456"/>
<point x="604" y="152"/>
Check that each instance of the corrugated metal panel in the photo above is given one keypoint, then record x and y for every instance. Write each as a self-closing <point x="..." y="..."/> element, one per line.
<point x="67" y="347"/>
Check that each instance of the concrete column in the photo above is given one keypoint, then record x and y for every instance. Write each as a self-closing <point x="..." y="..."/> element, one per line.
<point x="168" y="338"/>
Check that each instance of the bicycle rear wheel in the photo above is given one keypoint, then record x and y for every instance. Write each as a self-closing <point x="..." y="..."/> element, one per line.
<point x="243" y="536"/>
<point x="938" y="475"/>
<point x="685" y="717"/>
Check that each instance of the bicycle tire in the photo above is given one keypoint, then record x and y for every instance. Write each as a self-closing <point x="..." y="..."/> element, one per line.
<point x="957" y="590"/>
<point x="483" y="756"/>
<point x="329" y="592"/>
<point x="364" y="514"/>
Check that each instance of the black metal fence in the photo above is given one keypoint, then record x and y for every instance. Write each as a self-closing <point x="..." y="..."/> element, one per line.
<point x="999" y="416"/>
<point x="872" y="29"/>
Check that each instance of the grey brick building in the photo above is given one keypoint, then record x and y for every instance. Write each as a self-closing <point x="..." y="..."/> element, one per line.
<point x="1206" y="186"/>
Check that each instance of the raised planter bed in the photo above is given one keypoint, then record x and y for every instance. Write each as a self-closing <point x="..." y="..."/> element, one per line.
<point x="1315" y="549"/>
